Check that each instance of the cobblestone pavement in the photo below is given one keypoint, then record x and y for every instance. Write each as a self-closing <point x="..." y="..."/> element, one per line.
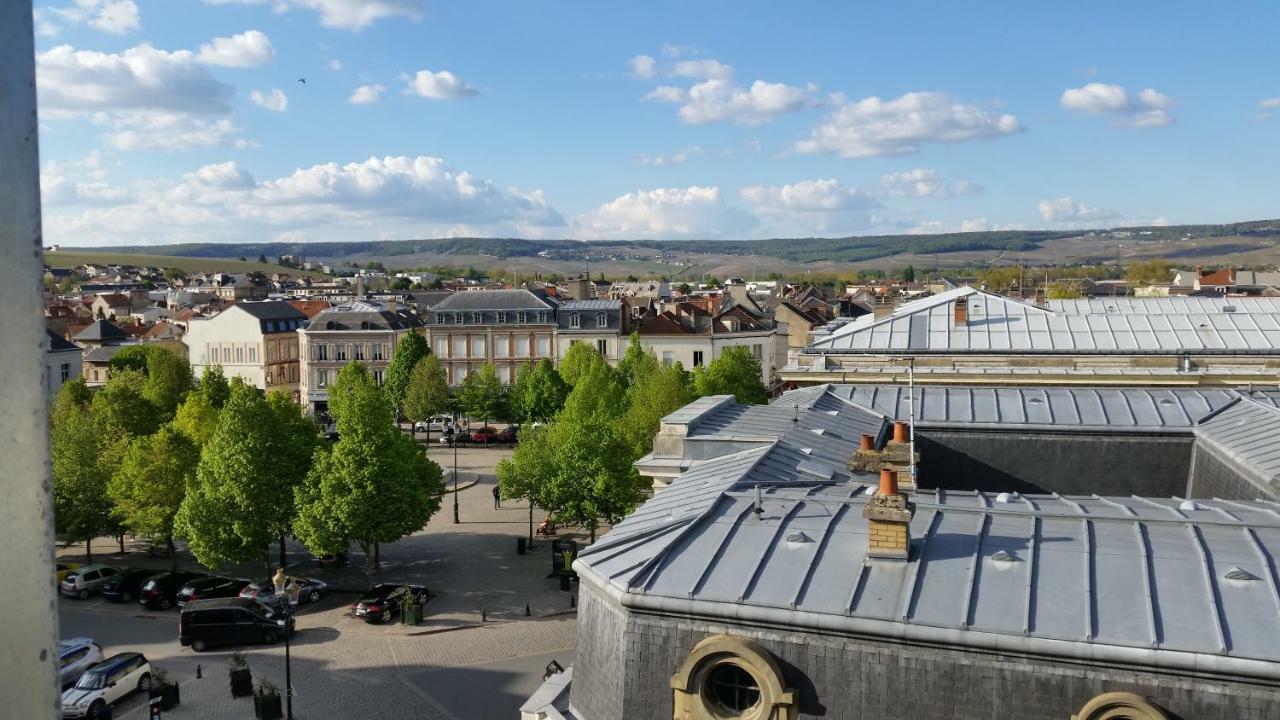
<point x="344" y="668"/>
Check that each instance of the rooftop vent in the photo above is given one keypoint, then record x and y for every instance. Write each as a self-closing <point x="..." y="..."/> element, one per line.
<point x="1167" y="401"/>
<point x="799" y="538"/>
<point x="1189" y="506"/>
<point x="1004" y="556"/>
<point x="1228" y="308"/>
<point x="1036" y="401"/>
<point x="1005" y="497"/>
<point x="1240" y="574"/>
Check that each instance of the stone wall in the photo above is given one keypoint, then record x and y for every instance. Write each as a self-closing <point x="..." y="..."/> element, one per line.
<point x="1215" y="475"/>
<point x="850" y="678"/>
<point x="1045" y="462"/>
<point x="602" y="657"/>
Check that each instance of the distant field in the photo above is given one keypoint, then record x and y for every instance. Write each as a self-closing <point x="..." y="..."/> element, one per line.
<point x="71" y="258"/>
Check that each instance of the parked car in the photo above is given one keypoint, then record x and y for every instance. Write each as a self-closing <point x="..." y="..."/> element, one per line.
<point x="455" y="434"/>
<point x="75" y="655"/>
<point x="63" y="568"/>
<point x="383" y="601"/>
<point x="485" y="435"/>
<point x="507" y="435"/>
<point x="125" y="586"/>
<point x="105" y="683"/>
<point x="85" y="581"/>
<point x="213" y="586"/>
<point x="265" y="591"/>
<point x="229" y="621"/>
<point x="160" y="592"/>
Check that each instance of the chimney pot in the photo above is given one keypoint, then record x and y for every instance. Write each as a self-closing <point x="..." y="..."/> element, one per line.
<point x="961" y="312"/>
<point x="900" y="434"/>
<point x="866" y="442"/>
<point x="888" y="483"/>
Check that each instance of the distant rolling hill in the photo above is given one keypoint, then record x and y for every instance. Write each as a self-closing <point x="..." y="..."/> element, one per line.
<point x="1254" y="241"/>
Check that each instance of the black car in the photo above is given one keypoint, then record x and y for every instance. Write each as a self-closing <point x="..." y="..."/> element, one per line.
<point x="230" y="621"/>
<point x="160" y="592"/>
<point x="383" y="601"/>
<point x="213" y="586"/>
<point x="127" y="585"/>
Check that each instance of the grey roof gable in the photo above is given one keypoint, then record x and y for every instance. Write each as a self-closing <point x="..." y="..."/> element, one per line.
<point x="494" y="300"/>
<point x="1247" y="431"/>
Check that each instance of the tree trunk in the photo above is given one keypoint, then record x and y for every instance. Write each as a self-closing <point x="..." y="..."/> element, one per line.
<point x="88" y="551"/>
<point x="377" y="555"/>
<point x="120" y="539"/>
<point x="284" y="554"/>
<point x="173" y="554"/>
<point x="368" y="563"/>
<point x="593" y="531"/>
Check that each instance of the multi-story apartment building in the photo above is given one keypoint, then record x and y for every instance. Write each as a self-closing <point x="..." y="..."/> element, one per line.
<point x="600" y="323"/>
<point x="336" y="336"/>
<point x="695" y="333"/>
<point x="257" y="341"/>
<point x="506" y="327"/>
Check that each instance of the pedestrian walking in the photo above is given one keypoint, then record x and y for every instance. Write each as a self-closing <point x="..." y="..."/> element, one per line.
<point x="497" y="497"/>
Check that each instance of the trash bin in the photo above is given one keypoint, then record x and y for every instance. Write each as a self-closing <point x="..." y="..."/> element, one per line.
<point x="412" y="614"/>
<point x="521" y="545"/>
<point x="564" y="583"/>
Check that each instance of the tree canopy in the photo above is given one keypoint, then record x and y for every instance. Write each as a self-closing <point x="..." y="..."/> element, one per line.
<point x="374" y="485"/>
<point x="576" y="360"/>
<point x="82" y="508"/>
<point x="214" y="386"/>
<point x="151" y="482"/>
<point x="482" y="394"/>
<point x="736" y="372"/>
<point x="636" y="360"/>
<point x="653" y="396"/>
<point x="1157" y="271"/>
<point x="428" y="392"/>
<point x="408" y="353"/>
<point x="168" y="376"/>
<point x="538" y="392"/>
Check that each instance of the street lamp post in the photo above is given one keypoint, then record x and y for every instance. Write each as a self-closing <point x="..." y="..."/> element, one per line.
<point x="290" y="594"/>
<point x="455" y="476"/>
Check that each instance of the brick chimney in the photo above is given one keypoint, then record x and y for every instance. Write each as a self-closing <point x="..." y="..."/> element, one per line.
<point x="888" y="515"/>
<point x="962" y="312"/>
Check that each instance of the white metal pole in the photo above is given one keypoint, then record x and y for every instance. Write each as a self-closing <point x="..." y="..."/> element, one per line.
<point x="911" y="425"/>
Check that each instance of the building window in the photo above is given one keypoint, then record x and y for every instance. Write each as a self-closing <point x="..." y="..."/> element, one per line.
<point x="731" y="690"/>
<point x="475" y="318"/>
<point x="66" y="372"/>
<point x="502" y="317"/>
<point x="239" y="354"/>
<point x="602" y="345"/>
<point x="668" y="358"/>
<point x="322" y="379"/>
<point x="253" y="354"/>
<point x="459" y="346"/>
<point x="757" y="351"/>
<point x="340" y="351"/>
<point x="359" y="351"/>
<point x="378" y="351"/>
<point x="542" y="317"/>
<point x="320" y="351"/>
<point x="602" y="320"/>
<point x="731" y="677"/>
<point x="457" y="318"/>
<point x="575" y="320"/>
<point x="521" y="317"/>
<point x="697" y="358"/>
<point x="440" y="318"/>
<point x="442" y="346"/>
<point x="378" y="376"/>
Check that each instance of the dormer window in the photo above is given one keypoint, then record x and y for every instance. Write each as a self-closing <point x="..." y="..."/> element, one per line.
<point x="502" y="317"/>
<point x="457" y="318"/>
<point x="521" y="317"/>
<point x="575" y="320"/>
<point x="602" y="320"/>
<point x="475" y="318"/>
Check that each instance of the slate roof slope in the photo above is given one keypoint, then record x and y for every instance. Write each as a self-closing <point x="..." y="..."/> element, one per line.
<point x="57" y="343"/>
<point x="1248" y="431"/>
<point x="362" y="315"/>
<point x="1163" y="583"/>
<point x="1172" y="305"/>
<point x="591" y="305"/>
<point x="1000" y="325"/>
<point x="101" y="331"/>
<point x="495" y="300"/>
<point x="1065" y="408"/>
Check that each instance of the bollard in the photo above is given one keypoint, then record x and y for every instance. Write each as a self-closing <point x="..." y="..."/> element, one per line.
<point x="527" y="613"/>
<point x="198" y="675"/>
<point x="483" y="617"/>
<point x="573" y="600"/>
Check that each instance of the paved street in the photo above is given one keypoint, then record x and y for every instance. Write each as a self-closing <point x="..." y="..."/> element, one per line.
<point x="451" y="666"/>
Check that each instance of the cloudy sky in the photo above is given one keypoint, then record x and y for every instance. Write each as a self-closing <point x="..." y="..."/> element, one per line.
<point x="188" y="121"/>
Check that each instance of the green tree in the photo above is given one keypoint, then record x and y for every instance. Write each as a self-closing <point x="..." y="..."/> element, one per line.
<point x="174" y="273"/>
<point x="196" y="419"/>
<point x="1157" y="271"/>
<point x="736" y="372"/>
<point x="482" y="394"/>
<point x="636" y="361"/>
<point x="242" y="497"/>
<point x="262" y="259"/>
<point x="75" y="392"/>
<point x="600" y="393"/>
<point x="214" y="386"/>
<point x="538" y="392"/>
<point x="121" y="408"/>
<point x="168" y="376"/>
<point x="82" y="508"/>
<point x="908" y="273"/>
<point x="1064" y="290"/>
<point x="373" y="486"/>
<point x="653" y="396"/>
<point x="428" y="392"/>
<point x="150" y="483"/>
<point x="577" y="359"/>
<point x="412" y="348"/>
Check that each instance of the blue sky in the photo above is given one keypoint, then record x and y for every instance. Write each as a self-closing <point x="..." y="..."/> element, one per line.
<point x="184" y="120"/>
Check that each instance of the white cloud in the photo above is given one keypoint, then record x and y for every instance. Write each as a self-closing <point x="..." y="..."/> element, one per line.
<point x="167" y="131"/>
<point x="342" y="14"/>
<point x="44" y="26"/>
<point x="1265" y="108"/>
<point x="922" y="182"/>
<point x="873" y="127"/>
<point x="935" y="227"/>
<point x="275" y="101"/>
<point x="117" y="17"/>
<point x="1067" y="210"/>
<point x="707" y="69"/>
<point x="676" y="158"/>
<point x="642" y="66"/>
<point x="379" y="197"/>
<point x="1147" y="109"/>
<point x="335" y="65"/>
<point x="809" y="206"/>
<point x="692" y="212"/>
<point x="442" y="85"/>
<point x="248" y="49"/>
<point x="366" y="94"/>
<point x="142" y="77"/>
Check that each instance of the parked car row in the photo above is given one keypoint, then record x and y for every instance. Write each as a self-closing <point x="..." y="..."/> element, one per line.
<point x="163" y="590"/>
<point x="486" y="435"/>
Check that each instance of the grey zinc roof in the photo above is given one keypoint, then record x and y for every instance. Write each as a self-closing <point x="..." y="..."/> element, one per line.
<point x="361" y="315"/>
<point x="1172" y="305"/>
<point x="1167" y="583"/>
<point x="57" y="343"/>
<point x="1000" y="325"/>
<point x="1070" y="407"/>
<point x="493" y="300"/>
<point x="1248" y="431"/>
<point x="101" y="331"/>
<point x="591" y="305"/>
<point x="271" y="310"/>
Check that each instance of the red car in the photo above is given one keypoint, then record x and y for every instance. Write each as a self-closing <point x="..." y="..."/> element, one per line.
<point x="485" y="435"/>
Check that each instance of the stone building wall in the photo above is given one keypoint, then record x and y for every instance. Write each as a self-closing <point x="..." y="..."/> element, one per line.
<point x="1045" y="462"/>
<point x="851" y="678"/>
<point x="601" y="660"/>
<point x="1213" y="475"/>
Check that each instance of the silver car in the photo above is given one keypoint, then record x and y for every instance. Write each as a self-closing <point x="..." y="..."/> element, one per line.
<point x="75" y="655"/>
<point x="86" y="580"/>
